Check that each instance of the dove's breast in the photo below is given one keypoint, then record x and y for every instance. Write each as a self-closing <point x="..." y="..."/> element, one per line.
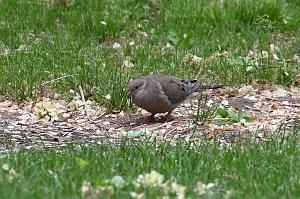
<point x="153" y="99"/>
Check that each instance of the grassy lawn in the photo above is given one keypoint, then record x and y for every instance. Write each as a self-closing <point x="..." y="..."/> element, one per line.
<point x="245" y="170"/>
<point x="42" y="41"/>
<point x="47" y="49"/>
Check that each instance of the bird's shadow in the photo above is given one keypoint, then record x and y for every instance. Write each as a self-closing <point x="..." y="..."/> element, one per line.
<point x="154" y="120"/>
<point x="145" y="120"/>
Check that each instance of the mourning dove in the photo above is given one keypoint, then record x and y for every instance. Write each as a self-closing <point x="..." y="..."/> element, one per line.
<point x="162" y="93"/>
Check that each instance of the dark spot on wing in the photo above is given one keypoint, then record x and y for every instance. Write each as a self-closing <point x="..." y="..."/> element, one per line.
<point x="193" y="81"/>
<point x="184" y="81"/>
<point x="183" y="89"/>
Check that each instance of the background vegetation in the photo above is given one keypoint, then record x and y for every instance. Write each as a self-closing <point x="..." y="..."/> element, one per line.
<point x="48" y="48"/>
<point x="42" y="40"/>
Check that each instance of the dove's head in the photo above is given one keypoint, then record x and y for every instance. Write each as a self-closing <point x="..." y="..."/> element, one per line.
<point x="135" y="86"/>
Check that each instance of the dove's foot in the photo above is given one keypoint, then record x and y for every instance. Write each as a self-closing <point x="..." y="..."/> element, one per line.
<point x="146" y="120"/>
<point x="167" y="118"/>
<point x="151" y="118"/>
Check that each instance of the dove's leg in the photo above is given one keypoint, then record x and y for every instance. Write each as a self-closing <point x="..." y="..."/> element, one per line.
<point x="169" y="114"/>
<point x="146" y="119"/>
<point x="151" y="118"/>
<point x="167" y="117"/>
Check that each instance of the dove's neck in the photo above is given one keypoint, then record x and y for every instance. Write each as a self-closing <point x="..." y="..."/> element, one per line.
<point x="149" y="84"/>
<point x="143" y="90"/>
<point x="147" y="89"/>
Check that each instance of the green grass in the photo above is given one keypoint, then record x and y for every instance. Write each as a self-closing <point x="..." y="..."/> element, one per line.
<point x="247" y="169"/>
<point x="69" y="48"/>
<point x="63" y="42"/>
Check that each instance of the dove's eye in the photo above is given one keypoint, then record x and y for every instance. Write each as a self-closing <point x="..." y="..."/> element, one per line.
<point x="136" y="87"/>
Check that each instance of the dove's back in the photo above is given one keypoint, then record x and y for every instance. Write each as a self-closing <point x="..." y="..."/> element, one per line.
<point x="175" y="89"/>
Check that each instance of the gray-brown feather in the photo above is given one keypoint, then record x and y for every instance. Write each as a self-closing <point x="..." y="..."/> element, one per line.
<point x="176" y="89"/>
<point x="161" y="93"/>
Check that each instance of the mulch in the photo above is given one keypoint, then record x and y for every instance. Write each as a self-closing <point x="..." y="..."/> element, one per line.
<point x="272" y="108"/>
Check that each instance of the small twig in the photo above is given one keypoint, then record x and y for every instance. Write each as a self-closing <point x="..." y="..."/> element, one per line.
<point x="81" y="93"/>
<point x="83" y="99"/>
<point x="42" y="87"/>
<point x="57" y="79"/>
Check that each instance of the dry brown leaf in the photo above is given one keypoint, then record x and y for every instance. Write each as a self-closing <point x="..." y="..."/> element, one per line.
<point x="275" y="106"/>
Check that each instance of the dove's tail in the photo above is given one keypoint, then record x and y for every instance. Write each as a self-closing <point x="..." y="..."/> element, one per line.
<point x="196" y="87"/>
<point x="193" y="86"/>
<point x="203" y="87"/>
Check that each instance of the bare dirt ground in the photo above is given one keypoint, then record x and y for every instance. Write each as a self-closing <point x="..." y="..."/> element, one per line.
<point x="51" y="122"/>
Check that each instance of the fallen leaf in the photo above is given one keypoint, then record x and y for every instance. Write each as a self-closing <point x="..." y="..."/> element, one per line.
<point x="85" y="187"/>
<point x="108" y="96"/>
<point x="46" y="110"/>
<point x="4" y="50"/>
<point x="246" y="90"/>
<point x="253" y="54"/>
<point x="132" y="43"/>
<point x="105" y="189"/>
<point x="12" y="175"/>
<point x="275" y="106"/>
<point x="152" y="179"/>
<point x="178" y="189"/>
<point x="24" y="48"/>
<point x="5" y="167"/>
<point x="116" y="46"/>
<point x="296" y="58"/>
<point x="273" y="48"/>
<point x="202" y="189"/>
<point x="275" y="57"/>
<point x="190" y="59"/>
<point x="118" y="181"/>
<point x="296" y="83"/>
<point x="128" y="64"/>
<point x="225" y="102"/>
<point x="103" y="23"/>
<point x="264" y="54"/>
<point x="137" y="195"/>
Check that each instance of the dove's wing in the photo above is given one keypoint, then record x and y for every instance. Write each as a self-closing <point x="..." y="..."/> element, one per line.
<point x="176" y="89"/>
